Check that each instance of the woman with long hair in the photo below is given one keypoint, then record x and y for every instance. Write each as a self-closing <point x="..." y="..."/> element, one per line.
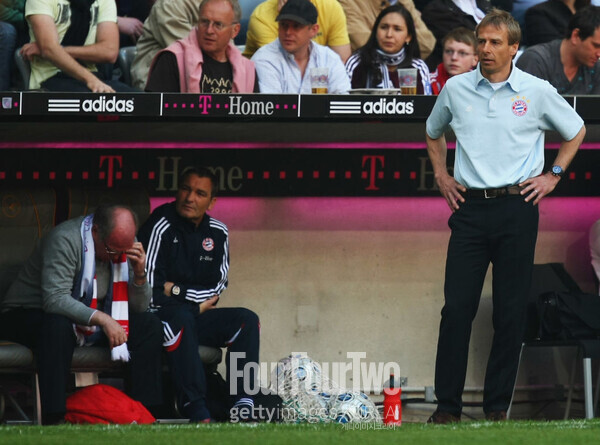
<point x="392" y="45"/>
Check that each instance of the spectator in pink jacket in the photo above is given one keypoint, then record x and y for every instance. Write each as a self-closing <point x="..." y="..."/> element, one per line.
<point x="206" y="61"/>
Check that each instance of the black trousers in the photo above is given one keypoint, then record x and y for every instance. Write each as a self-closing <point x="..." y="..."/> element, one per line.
<point x="63" y="82"/>
<point x="501" y="231"/>
<point x="237" y="329"/>
<point x="52" y="339"/>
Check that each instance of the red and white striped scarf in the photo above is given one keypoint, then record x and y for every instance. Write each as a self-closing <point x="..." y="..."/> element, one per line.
<point x="117" y="299"/>
<point x="119" y="309"/>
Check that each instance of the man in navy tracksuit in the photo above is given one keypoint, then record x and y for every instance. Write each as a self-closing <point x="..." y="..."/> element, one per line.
<point x="187" y="262"/>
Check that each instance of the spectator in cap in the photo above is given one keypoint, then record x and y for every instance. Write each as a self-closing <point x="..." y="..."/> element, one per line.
<point x="262" y="27"/>
<point x="283" y="66"/>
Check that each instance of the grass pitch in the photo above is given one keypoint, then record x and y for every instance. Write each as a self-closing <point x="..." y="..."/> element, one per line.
<point x="481" y="433"/>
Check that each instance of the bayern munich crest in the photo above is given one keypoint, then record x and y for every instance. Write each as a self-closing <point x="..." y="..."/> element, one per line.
<point x="519" y="107"/>
<point x="208" y="244"/>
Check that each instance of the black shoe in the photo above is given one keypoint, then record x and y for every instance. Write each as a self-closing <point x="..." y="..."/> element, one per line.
<point x="496" y="416"/>
<point x="243" y="412"/>
<point x="443" y="418"/>
<point x="197" y="412"/>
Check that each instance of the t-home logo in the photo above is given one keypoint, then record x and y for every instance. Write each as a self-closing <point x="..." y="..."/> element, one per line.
<point x="241" y="107"/>
<point x="380" y="106"/>
<point x="102" y="104"/>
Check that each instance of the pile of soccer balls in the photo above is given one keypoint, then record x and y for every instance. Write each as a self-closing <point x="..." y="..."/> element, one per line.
<point x="309" y="396"/>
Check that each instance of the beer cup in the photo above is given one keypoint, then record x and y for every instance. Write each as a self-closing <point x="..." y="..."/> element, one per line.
<point x="408" y="80"/>
<point x="318" y="80"/>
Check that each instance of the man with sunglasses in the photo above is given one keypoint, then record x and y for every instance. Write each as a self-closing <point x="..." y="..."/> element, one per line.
<point x="85" y="283"/>
<point x="206" y="61"/>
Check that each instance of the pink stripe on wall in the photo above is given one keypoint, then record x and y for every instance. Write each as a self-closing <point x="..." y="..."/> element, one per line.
<point x="213" y="145"/>
<point x="416" y="145"/>
<point x="419" y="214"/>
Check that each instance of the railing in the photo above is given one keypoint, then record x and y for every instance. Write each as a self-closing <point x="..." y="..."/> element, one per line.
<point x="260" y="145"/>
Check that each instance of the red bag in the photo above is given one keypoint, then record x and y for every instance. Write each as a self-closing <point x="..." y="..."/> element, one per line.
<point x="105" y="404"/>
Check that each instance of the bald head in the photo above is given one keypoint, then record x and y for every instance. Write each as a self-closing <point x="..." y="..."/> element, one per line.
<point x="124" y="226"/>
<point x="115" y="227"/>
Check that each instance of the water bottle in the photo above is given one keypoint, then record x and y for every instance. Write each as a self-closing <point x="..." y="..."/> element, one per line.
<point x="392" y="406"/>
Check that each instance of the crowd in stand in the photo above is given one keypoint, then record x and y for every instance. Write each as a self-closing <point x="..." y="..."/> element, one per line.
<point x="188" y="45"/>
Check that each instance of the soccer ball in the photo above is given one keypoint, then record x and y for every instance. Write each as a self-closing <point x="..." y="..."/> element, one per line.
<point x="352" y="407"/>
<point x="299" y="380"/>
<point x="309" y="396"/>
<point x="297" y="374"/>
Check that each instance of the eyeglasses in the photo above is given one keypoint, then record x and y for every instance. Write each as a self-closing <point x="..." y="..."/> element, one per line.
<point x="112" y="252"/>
<point x="451" y="52"/>
<point x="218" y="26"/>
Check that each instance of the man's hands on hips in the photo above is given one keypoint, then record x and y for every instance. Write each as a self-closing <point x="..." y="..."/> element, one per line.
<point x="450" y="190"/>
<point x="533" y="189"/>
<point x="538" y="187"/>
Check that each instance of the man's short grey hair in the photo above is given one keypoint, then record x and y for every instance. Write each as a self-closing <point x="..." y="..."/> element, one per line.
<point x="104" y="218"/>
<point x="497" y="18"/>
<point x="235" y="5"/>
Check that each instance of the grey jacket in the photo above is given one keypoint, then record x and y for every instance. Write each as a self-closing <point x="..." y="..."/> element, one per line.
<point x="47" y="278"/>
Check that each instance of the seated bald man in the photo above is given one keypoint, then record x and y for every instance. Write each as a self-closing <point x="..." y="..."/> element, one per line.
<point x="85" y="283"/>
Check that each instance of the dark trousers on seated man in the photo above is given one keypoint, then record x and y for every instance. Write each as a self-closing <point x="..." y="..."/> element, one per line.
<point x="502" y="231"/>
<point x="237" y="329"/>
<point x="62" y="82"/>
<point x="52" y="339"/>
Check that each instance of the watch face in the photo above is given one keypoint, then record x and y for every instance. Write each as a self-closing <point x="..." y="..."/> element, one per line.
<point x="175" y="290"/>
<point x="557" y="170"/>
